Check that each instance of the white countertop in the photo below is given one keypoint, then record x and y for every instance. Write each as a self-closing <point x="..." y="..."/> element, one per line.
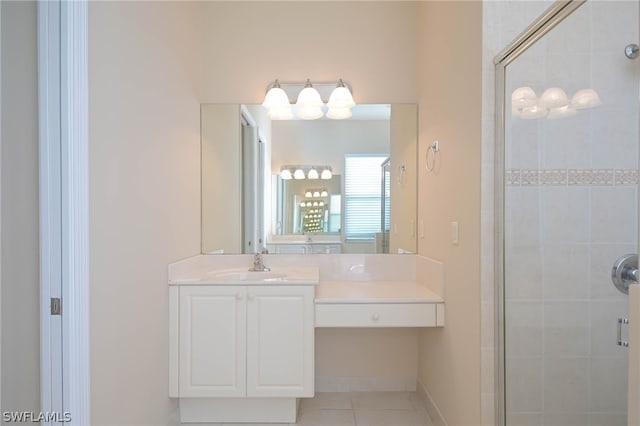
<point x="304" y="242"/>
<point x="242" y="276"/>
<point x="375" y="292"/>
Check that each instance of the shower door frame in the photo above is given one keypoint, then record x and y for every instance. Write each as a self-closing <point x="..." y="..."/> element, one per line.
<point x="555" y="14"/>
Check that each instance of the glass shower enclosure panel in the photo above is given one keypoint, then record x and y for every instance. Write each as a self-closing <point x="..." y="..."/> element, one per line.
<point x="570" y="210"/>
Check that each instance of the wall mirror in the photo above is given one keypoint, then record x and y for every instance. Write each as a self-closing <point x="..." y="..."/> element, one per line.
<point x="309" y="186"/>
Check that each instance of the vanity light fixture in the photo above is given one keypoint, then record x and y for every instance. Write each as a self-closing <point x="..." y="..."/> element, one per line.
<point x="316" y="194"/>
<point x="310" y="99"/>
<point x="326" y="174"/>
<point x="324" y="193"/>
<point x="308" y="194"/>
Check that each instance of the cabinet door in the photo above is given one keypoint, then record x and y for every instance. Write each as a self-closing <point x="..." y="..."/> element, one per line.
<point x="212" y="341"/>
<point x="280" y="341"/>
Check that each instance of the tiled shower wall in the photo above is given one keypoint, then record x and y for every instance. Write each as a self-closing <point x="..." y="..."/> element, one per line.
<point x="570" y="212"/>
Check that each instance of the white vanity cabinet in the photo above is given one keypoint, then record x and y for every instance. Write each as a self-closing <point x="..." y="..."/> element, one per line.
<point x="243" y="340"/>
<point x="212" y="341"/>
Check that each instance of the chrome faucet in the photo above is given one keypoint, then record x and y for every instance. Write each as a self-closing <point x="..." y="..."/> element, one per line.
<point x="258" y="264"/>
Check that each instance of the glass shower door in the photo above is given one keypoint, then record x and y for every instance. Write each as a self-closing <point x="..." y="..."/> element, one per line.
<point x="570" y="210"/>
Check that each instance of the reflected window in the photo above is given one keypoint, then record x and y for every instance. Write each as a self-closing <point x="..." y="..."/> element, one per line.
<point x="362" y="196"/>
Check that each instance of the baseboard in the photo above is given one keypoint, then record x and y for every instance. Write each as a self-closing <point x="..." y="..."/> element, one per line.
<point x="436" y="416"/>
<point x="365" y="384"/>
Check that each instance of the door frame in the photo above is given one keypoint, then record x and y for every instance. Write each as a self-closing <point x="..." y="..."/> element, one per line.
<point x="64" y="208"/>
<point x="555" y="14"/>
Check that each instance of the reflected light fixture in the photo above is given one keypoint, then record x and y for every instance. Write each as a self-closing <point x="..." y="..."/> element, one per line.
<point x="562" y="112"/>
<point x="324" y="193"/>
<point x="298" y="174"/>
<point x="305" y="172"/>
<point x="310" y="99"/>
<point x="553" y="97"/>
<point x="308" y="194"/>
<point x="285" y="174"/>
<point x="553" y="104"/>
<point x="585" y="98"/>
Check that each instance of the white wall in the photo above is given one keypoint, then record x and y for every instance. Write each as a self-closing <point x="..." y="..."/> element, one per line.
<point x="151" y="65"/>
<point x="20" y="277"/>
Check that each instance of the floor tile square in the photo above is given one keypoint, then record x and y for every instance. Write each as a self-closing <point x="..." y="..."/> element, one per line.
<point x="381" y="401"/>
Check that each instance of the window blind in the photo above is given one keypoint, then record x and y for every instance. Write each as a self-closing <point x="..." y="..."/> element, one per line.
<point x="362" y="196"/>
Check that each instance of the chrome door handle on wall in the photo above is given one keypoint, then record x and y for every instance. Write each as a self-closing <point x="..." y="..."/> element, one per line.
<point x="625" y="272"/>
<point x="619" y="340"/>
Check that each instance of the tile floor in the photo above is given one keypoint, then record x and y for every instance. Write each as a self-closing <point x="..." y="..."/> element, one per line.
<point x="361" y="409"/>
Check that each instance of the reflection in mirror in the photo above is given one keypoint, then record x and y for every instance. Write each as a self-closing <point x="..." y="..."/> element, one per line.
<point x="307" y="207"/>
<point x="367" y="206"/>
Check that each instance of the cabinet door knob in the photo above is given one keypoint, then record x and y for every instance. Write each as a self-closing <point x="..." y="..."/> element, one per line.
<point x="250" y="296"/>
<point x="239" y="295"/>
<point x="375" y="317"/>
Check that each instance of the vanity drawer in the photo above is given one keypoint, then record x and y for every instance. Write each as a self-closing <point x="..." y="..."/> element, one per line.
<point x="377" y="314"/>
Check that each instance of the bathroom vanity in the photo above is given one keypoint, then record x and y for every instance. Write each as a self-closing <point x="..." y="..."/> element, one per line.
<point x="242" y="342"/>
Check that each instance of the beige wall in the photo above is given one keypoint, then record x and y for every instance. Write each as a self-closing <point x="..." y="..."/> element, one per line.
<point x="450" y="111"/>
<point x="151" y="64"/>
<point x="325" y="142"/>
<point x="144" y="135"/>
<point x="20" y="277"/>
<point x="221" y="153"/>
<point x="404" y="136"/>
<point x="371" y="45"/>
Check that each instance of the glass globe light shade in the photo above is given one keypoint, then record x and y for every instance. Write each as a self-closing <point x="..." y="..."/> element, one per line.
<point x="523" y="97"/>
<point x="553" y="97"/>
<point x="533" y="112"/>
<point x="341" y="97"/>
<point x="585" y="98"/>
<point x="275" y="98"/>
<point x="285" y="174"/>
<point x="313" y="174"/>
<point x="562" y="112"/>
<point x="336" y="113"/>
<point x="298" y="174"/>
<point x="326" y="174"/>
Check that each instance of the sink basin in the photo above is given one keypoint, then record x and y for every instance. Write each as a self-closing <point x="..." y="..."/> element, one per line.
<point x="247" y="276"/>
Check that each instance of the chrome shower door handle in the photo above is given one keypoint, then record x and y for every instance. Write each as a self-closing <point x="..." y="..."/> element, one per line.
<point x="619" y="341"/>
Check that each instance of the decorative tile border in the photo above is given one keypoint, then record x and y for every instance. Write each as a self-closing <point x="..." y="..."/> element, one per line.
<point x="572" y="177"/>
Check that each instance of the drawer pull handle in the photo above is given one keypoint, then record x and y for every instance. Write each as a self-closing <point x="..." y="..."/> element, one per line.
<point x="375" y="317"/>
